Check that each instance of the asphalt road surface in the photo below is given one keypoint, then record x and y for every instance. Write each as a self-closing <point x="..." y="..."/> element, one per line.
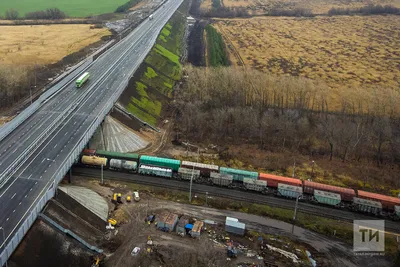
<point x="22" y="191"/>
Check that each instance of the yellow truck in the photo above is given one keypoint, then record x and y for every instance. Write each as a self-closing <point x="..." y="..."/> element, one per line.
<point x="112" y="221"/>
<point x="117" y="198"/>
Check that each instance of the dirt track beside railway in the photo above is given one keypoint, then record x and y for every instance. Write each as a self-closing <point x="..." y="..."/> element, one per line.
<point x="272" y="201"/>
<point x="328" y="251"/>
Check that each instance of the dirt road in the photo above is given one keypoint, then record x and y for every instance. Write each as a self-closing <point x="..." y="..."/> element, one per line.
<point x="338" y="253"/>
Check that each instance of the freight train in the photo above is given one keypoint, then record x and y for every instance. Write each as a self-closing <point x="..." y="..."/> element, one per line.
<point x="334" y="196"/>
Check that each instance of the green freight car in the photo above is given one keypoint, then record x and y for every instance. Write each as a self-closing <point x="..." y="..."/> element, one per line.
<point x="161" y="162"/>
<point x="238" y="175"/>
<point x="117" y="155"/>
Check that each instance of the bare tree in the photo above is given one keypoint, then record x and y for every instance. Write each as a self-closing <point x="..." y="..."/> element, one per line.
<point x="381" y="136"/>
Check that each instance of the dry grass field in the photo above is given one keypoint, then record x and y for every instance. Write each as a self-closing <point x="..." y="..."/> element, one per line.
<point x="345" y="52"/>
<point x="44" y="44"/>
<point x="206" y="5"/>
<point x="317" y="6"/>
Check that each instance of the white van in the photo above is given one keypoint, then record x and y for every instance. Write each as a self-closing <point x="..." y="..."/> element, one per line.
<point x="136" y="196"/>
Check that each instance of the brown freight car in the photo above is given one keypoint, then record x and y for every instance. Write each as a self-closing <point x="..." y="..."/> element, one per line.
<point x="346" y="194"/>
<point x="387" y="202"/>
<point x="205" y="169"/>
<point x="89" y="152"/>
<point x="274" y="180"/>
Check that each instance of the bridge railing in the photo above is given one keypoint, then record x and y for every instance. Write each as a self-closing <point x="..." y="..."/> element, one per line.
<point x="49" y="190"/>
<point x="57" y="85"/>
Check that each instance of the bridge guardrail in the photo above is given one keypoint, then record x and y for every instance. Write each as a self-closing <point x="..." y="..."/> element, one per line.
<point x="26" y="113"/>
<point x="7" y="174"/>
<point x="49" y="190"/>
<point x="12" y="168"/>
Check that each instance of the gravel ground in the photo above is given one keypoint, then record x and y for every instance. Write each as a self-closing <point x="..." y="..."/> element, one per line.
<point x="334" y="251"/>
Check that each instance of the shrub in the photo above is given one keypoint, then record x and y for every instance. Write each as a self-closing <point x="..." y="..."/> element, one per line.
<point x="50" y="13"/>
<point x="126" y="6"/>
<point x="11" y="14"/>
<point x="366" y="10"/>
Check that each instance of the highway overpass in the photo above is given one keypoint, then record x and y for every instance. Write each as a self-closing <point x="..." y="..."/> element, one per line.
<point x="36" y="155"/>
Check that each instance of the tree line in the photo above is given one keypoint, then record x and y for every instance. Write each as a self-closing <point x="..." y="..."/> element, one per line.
<point x="225" y="12"/>
<point x="236" y="106"/>
<point x="370" y="9"/>
<point x="296" y="12"/>
<point x="14" y="84"/>
<point x="48" y="14"/>
<point x="126" y="6"/>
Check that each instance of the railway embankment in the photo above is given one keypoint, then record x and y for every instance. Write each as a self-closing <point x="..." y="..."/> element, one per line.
<point x="151" y="88"/>
<point x="326" y="250"/>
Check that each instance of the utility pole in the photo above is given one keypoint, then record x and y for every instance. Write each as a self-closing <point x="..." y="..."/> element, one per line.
<point x="190" y="189"/>
<point x="312" y="170"/>
<point x="295" y="213"/>
<point x="191" y="178"/>
<point x="30" y="88"/>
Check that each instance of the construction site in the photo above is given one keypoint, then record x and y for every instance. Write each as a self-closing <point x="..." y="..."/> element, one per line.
<point x="115" y="224"/>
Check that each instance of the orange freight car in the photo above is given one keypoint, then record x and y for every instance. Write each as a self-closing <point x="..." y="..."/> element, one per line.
<point x="346" y="194"/>
<point x="274" y="180"/>
<point x="387" y="202"/>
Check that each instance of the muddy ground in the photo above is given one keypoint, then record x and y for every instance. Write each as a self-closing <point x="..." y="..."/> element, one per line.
<point x="196" y="44"/>
<point x="43" y="245"/>
<point x="327" y="251"/>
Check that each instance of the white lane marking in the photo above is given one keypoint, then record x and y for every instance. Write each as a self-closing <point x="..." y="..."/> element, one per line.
<point x="43" y="160"/>
<point x="13" y="195"/>
<point x="35" y="182"/>
<point x="55" y="146"/>
<point x="65" y="133"/>
<point x="13" y="211"/>
<point x="26" y="196"/>
<point x="40" y="177"/>
<point x="42" y="190"/>
<point x="20" y="203"/>
<point x="29" y="176"/>
<point x="7" y="219"/>
<point x="30" y="189"/>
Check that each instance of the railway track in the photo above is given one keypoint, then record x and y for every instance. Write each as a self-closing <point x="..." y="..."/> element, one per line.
<point x="234" y="194"/>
